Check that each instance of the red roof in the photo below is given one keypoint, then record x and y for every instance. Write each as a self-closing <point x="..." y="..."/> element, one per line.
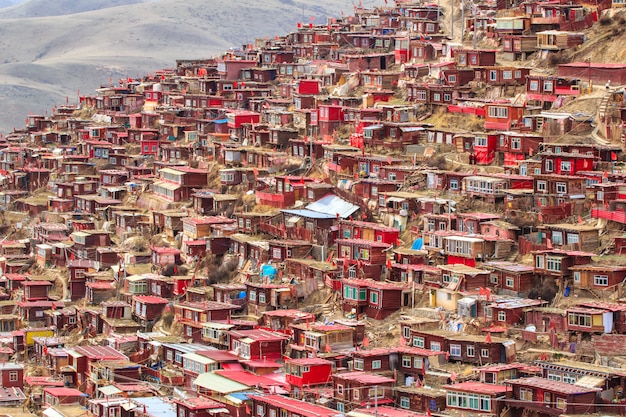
<point x="309" y="361"/>
<point x="550" y="385"/>
<point x="150" y="299"/>
<point x="250" y="379"/>
<point x="478" y="388"/>
<point x="295" y="406"/>
<point x="198" y="403"/>
<point x="365" y="377"/>
<point x="63" y="392"/>
<point x="386" y="411"/>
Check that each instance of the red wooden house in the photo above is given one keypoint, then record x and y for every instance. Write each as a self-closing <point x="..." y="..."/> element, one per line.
<point x="372" y="298"/>
<point x="192" y="315"/>
<point x="549" y="397"/>
<point x="503" y="115"/>
<point x="475" y="57"/>
<point x="361" y="258"/>
<point x="517" y="146"/>
<point x="147" y="309"/>
<point x="269" y="405"/>
<point x="306" y="372"/>
<point x="257" y="345"/>
<point x="354" y="390"/>
<point x="12" y="375"/>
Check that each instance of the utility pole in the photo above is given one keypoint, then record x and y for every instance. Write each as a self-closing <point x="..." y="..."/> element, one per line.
<point x="474" y="13"/>
<point x="462" y="20"/>
<point x="376" y="400"/>
<point x="452" y="20"/>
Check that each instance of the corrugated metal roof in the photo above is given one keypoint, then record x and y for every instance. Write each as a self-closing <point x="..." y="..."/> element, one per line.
<point x="219" y="384"/>
<point x="331" y="204"/>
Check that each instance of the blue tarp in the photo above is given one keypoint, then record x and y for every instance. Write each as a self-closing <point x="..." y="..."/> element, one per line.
<point x="417" y="244"/>
<point x="268" y="271"/>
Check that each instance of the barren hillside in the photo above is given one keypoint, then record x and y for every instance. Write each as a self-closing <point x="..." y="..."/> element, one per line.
<point x="46" y="59"/>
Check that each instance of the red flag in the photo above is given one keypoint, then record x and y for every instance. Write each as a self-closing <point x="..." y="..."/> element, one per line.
<point x="605" y="175"/>
<point x="388" y="263"/>
<point x="327" y="348"/>
<point x="248" y="409"/>
<point x="580" y="219"/>
<point x="428" y="413"/>
<point x="488" y="339"/>
<point x="366" y="342"/>
<point x="613" y="156"/>
<point x="389" y="159"/>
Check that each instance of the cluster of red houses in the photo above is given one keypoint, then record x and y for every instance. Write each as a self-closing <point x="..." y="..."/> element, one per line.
<point x="309" y="164"/>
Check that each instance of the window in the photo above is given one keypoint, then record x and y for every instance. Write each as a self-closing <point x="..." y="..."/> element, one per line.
<point x="534" y="85"/>
<point x="516" y="143"/>
<point x="418" y="342"/>
<point x="405" y="402"/>
<point x="418" y="363"/>
<point x="480" y="141"/>
<point x="501" y="315"/>
<point x="406" y="361"/>
<point x="561" y="188"/>
<point x="355" y="394"/>
<point x="601" y="280"/>
<point x="252" y="296"/>
<point x="557" y="238"/>
<point x="260" y="410"/>
<point x="454" y="185"/>
<point x="554" y="376"/>
<point x="510" y="282"/>
<point x="493" y="278"/>
<point x="572" y="238"/>
<point x="474" y="401"/>
<point x="561" y="403"/>
<point x="525" y="394"/>
<point x="493" y="75"/>
<point x="541" y="186"/>
<point x="547" y="86"/>
<point x="484" y="353"/>
<point x="340" y="389"/>
<point x="376" y="392"/>
<point x="13" y="376"/>
<point x="437" y="97"/>
<point x="566" y="166"/>
<point x="261" y="298"/>
<point x="579" y="319"/>
<point x="498" y="112"/>
<point x="376" y="364"/>
<point x="507" y="75"/>
<point x="553" y="264"/>
<point x="358" y="364"/>
<point x="436" y="346"/>
<point x="577" y="277"/>
<point x="470" y="351"/>
<point x="451" y="78"/>
<point x="485" y="403"/>
<point x="455" y="350"/>
<point x="539" y="262"/>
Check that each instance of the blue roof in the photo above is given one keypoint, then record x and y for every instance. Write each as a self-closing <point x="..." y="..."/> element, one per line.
<point x="157" y="407"/>
<point x="333" y="205"/>
<point x="309" y="214"/>
<point x="243" y="396"/>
